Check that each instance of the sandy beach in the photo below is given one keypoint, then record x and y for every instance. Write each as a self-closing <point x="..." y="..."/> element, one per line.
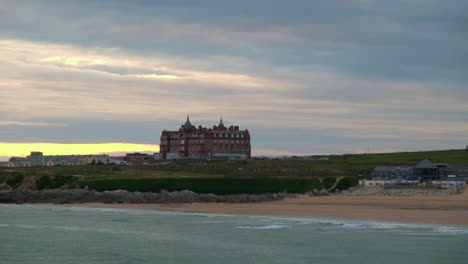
<point x="451" y="209"/>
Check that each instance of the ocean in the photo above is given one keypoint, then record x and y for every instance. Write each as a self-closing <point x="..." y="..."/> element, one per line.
<point x="67" y="235"/>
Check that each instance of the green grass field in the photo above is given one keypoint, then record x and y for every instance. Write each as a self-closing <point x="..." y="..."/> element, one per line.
<point x="341" y="165"/>
<point x="345" y="165"/>
<point x="216" y="175"/>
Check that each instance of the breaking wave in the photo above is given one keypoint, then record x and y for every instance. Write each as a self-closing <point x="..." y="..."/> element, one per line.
<point x="268" y="222"/>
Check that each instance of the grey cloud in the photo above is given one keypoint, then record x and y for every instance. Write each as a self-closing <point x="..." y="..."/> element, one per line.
<point x="124" y="70"/>
<point x="392" y="68"/>
<point x="387" y="40"/>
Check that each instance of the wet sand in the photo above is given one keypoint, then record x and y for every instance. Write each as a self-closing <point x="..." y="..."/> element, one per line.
<point x="451" y="209"/>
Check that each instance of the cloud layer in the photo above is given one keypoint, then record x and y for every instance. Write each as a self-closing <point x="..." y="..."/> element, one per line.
<point x="304" y="77"/>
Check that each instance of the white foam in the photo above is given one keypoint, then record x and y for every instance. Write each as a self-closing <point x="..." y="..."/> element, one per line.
<point x="274" y="222"/>
<point x="264" y="227"/>
<point x="402" y="228"/>
<point x="451" y="230"/>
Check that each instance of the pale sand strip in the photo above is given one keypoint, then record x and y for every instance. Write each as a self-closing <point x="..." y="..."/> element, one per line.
<point x="451" y="210"/>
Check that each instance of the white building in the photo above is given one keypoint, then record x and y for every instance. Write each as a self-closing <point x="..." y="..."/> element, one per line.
<point x="373" y="183"/>
<point x="38" y="159"/>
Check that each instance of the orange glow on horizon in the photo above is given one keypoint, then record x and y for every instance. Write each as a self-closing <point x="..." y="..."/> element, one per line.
<point x="24" y="149"/>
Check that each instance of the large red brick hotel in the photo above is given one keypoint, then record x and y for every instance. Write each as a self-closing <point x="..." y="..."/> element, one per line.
<point x="219" y="142"/>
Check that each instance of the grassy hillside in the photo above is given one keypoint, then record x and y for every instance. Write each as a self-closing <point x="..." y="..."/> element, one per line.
<point x="339" y="165"/>
<point x="226" y="176"/>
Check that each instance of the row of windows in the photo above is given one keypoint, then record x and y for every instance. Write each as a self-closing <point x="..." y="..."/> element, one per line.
<point x="229" y="135"/>
<point x="215" y="148"/>
<point x="195" y="148"/>
<point x="196" y="135"/>
<point x="230" y="141"/>
<point x="202" y="141"/>
<point x="235" y="148"/>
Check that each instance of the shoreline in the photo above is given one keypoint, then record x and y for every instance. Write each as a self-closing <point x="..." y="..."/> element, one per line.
<point x="448" y="210"/>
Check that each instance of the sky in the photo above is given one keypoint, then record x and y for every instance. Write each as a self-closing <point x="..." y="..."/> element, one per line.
<point x="305" y="77"/>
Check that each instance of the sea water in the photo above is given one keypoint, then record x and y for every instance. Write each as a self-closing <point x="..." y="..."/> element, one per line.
<point x="52" y="234"/>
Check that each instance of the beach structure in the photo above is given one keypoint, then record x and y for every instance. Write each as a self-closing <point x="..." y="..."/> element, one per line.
<point x="38" y="159"/>
<point x="425" y="173"/>
<point x="390" y="172"/>
<point x="382" y="183"/>
<point x="218" y="142"/>
<point x="443" y="184"/>
<point x="424" y="170"/>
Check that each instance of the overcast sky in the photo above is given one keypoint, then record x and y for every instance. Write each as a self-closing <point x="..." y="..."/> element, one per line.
<point x="322" y="76"/>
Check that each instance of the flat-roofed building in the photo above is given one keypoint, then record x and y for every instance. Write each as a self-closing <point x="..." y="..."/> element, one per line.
<point x="424" y="170"/>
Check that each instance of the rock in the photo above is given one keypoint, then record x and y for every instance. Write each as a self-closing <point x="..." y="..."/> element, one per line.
<point x="319" y="193"/>
<point x="397" y="192"/>
<point x="121" y="196"/>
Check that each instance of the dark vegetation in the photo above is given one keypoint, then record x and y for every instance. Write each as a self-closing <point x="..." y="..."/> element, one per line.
<point x="11" y="178"/>
<point x="219" y="186"/>
<point x="46" y="182"/>
<point x="346" y="183"/>
<point x="15" y="180"/>
<point x="328" y="182"/>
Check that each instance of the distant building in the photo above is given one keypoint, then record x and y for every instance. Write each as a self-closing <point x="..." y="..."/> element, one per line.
<point x="38" y="159"/>
<point x="423" y="170"/>
<point x="386" y="172"/>
<point x="445" y="184"/>
<point x="218" y="142"/>
<point x="137" y="156"/>
<point x="36" y="154"/>
<point x="382" y="183"/>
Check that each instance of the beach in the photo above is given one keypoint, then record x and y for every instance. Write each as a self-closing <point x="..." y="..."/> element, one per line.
<point x="451" y="209"/>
